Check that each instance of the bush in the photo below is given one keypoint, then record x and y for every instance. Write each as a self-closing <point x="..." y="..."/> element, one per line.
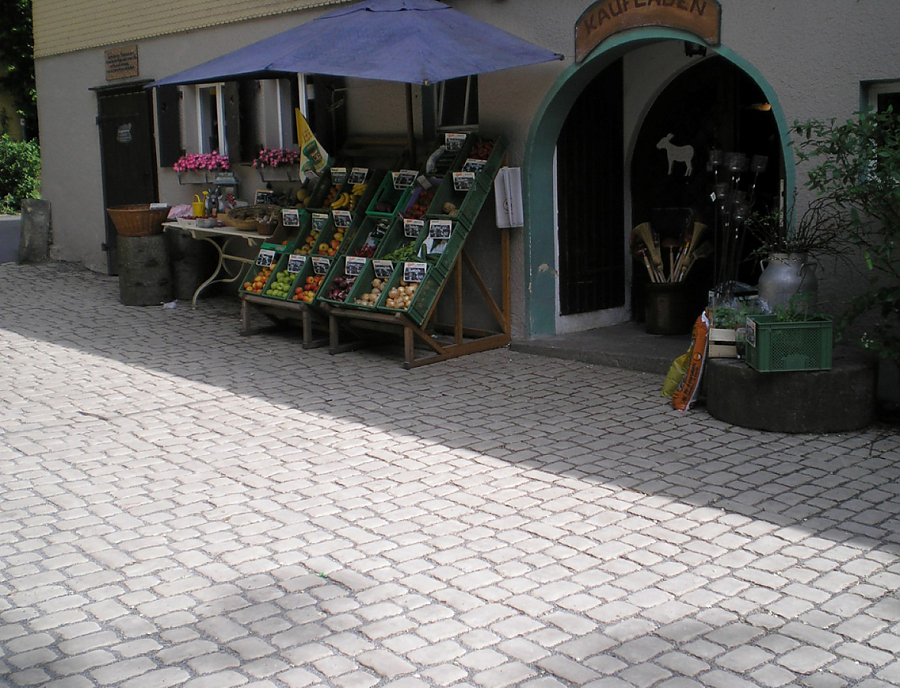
<point x="20" y="173"/>
<point x="857" y="172"/>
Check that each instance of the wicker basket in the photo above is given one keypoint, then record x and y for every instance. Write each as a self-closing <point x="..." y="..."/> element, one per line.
<point x="138" y="220"/>
<point x="248" y="217"/>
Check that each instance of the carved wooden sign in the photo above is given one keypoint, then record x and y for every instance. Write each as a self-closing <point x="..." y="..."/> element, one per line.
<point x="608" y="17"/>
<point x="121" y="63"/>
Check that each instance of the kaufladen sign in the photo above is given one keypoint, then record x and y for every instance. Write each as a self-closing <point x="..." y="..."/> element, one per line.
<point x="608" y="17"/>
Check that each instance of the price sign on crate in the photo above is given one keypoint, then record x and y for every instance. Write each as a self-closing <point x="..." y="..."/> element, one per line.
<point x="319" y="220"/>
<point x="353" y="265"/>
<point x="296" y="262"/>
<point x="321" y="266"/>
<point x="338" y="176"/>
<point x="383" y="268"/>
<point x="265" y="258"/>
<point x="473" y="165"/>
<point x="342" y="218"/>
<point x="440" y="229"/>
<point x="463" y="181"/>
<point x="414" y="272"/>
<point x="290" y="217"/>
<point x="412" y="228"/>
<point x="404" y="178"/>
<point x="454" y="142"/>
<point x="358" y="175"/>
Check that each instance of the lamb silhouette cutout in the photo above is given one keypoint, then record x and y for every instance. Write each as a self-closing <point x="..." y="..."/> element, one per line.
<point x="683" y="154"/>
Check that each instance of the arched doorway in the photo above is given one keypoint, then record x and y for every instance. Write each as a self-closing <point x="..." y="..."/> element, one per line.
<point x="711" y="106"/>
<point x="540" y="246"/>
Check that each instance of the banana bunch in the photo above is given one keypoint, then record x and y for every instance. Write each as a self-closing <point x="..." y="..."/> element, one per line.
<point x="356" y="194"/>
<point x="341" y="202"/>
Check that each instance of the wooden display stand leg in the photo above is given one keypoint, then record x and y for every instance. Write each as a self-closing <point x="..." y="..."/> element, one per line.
<point x="281" y="313"/>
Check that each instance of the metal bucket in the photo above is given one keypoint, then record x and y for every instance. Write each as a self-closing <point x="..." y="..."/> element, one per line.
<point x="669" y="308"/>
<point x="145" y="277"/>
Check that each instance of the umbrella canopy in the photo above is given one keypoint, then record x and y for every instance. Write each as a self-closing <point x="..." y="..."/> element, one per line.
<point x="409" y="41"/>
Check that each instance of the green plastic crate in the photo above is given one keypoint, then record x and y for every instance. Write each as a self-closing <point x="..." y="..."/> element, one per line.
<point x="425" y="295"/>
<point x="336" y="271"/>
<point x="774" y="346"/>
<point x="396" y="238"/>
<point x="363" y="285"/>
<point x="397" y="199"/>
<point x="369" y="233"/>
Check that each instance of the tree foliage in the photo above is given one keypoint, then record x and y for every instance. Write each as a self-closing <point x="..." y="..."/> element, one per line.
<point x="20" y="171"/>
<point x="17" y="59"/>
<point x="856" y="169"/>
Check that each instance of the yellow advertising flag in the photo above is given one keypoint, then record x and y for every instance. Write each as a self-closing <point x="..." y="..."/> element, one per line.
<point x="314" y="157"/>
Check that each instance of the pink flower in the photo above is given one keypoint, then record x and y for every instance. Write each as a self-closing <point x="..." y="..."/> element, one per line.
<point x="274" y="157"/>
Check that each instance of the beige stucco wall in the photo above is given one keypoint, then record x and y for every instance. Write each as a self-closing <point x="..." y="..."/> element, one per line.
<point x="63" y="26"/>
<point x="813" y="55"/>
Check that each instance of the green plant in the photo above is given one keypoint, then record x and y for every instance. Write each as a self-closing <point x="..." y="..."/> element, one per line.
<point x="20" y="172"/>
<point x="819" y="229"/>
<point x="856" y="171"/>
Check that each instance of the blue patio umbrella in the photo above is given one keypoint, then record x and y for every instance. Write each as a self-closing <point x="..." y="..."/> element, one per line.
<point x="408" y="41"/>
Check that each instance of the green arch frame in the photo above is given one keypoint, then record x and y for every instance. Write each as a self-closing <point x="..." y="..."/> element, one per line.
<point x="539" y="241"/>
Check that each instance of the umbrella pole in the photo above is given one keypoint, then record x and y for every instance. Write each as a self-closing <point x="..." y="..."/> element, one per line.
<point x="410" y="127"/>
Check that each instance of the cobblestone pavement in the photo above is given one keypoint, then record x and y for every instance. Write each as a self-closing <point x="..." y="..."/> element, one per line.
<point x="183" y="506"/>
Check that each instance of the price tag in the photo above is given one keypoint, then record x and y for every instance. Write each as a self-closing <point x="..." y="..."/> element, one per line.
<point x="296" y="262"/>
<point x="342" y="218"/>
<point x="440" y="229"/>
<point x="412" y="228"/>
<point x="454" y="142"/>
<point x="290" y="217"/>
<point x="751" y="332"/>
<point x="462" y="181"/>
<point x="404" y="178"/>
<point x="353" y="265"/>
<point x="358" y="175"/>
<point x="383" y="268"/>
<point x="414" y="272"/>
<point x="338" y="176"/>
<point x="319" y="220"/>
<point x="265" y="258"/>
<point x="473" y="165"/>
<point x="381" y="228"/>
<point x="321" y="266"/>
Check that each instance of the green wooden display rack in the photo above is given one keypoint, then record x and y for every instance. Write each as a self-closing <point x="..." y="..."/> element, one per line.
<point x="440" y="341"/>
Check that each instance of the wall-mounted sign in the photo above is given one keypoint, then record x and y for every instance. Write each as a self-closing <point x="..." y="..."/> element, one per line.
<point x="121" y="63"/>
<point x="608" y="17"/>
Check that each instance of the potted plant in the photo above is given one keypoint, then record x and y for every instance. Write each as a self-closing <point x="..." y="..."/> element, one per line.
<point x="193" y="168"/>
<point x="787" y="246"/>
<point x="278" y="164"/>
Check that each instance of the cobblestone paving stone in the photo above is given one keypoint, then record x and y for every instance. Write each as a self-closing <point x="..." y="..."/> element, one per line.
<point x="183" y="506"/>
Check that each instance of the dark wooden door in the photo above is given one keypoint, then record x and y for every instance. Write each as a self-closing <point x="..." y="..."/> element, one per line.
<point x="127" y="156"/>
<point x="590" y="199"/>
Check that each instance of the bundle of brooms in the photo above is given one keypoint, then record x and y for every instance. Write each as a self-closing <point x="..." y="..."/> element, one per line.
<point x="669" y="260"/>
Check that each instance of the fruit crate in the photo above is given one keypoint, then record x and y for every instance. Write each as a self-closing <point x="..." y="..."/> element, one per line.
<point x="422" y="300"/>
<point x="336" y="273"/>
<point x="774" y="346"/>
<point x="283" y="267"/>
<point x="266" y="264"/>
<point x="396" y="238"/>
<point x="320" y="191"/>
<point x="447" y="256"/>
<point x="301" y="281"/>
<point x="393" y="199"/>
<point x="492" y="163"/>
<point x="363" y="285"/>
<point x="369" y="234"/>
<point x="468" y="203"/>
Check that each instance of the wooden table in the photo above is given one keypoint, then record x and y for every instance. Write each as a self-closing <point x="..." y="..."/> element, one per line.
<point x="224" y="240"/>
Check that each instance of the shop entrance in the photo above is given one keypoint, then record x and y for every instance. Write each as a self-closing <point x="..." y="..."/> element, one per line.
<point x="590" y="197"/>
<point x="711" y="106"/>
<point x="127" y="155"/>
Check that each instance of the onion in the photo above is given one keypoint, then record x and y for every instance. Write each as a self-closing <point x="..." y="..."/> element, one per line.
<point x="394" y="293"/>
